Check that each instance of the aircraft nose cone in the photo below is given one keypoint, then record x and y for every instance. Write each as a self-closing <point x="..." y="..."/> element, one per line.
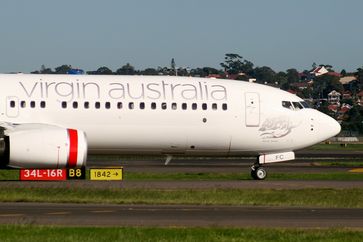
<point x="332" y="127"/>
<point x="335" y="127"/>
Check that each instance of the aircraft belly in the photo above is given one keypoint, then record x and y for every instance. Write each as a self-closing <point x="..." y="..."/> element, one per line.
<point x="161" y="139"/>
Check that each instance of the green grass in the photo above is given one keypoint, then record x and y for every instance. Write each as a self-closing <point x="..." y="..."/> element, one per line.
<point x="330" y="198"/>
<point x="32" y="233"/>
<point x="352" y="147"/>
<point x="339" y="163"/>
<point x="6" y="175"/>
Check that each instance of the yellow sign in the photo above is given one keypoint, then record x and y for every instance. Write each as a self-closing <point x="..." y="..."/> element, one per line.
<point x="106" y="174"/>
<point x="357" y="170"/>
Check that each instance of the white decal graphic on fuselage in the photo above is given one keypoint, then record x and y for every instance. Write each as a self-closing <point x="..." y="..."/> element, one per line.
<point x="276" y="127"/>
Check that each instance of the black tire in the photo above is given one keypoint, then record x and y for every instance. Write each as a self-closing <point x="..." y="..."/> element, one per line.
<point x="260" y="173"/>
<point x="253" y="174"/>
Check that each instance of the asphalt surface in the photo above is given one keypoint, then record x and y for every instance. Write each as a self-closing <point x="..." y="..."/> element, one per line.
<point x="177" y="215"/>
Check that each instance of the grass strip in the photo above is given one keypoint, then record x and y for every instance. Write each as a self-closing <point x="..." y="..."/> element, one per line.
<point x="339" y="163"/>
<point x="32" y="233"/>
<point x="355" y="147"/>
<point x="329" y="198"/>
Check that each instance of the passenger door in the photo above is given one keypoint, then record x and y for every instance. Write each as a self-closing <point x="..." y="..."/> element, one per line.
<point x="252" y="109"/>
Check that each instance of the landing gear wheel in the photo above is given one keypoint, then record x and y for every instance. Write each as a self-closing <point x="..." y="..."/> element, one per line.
<point x="258" y="173"/>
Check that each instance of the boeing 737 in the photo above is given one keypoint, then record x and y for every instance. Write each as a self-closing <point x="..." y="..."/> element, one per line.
<point x="54" y="121"/>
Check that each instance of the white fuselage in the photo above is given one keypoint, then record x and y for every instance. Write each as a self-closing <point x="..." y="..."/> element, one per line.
<point x="165" y="115"/>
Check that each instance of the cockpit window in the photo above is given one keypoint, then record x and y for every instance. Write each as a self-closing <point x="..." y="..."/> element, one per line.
<point x="305" y="104"/>
<point x="297" y="105"/>
<point x="287" y="104"/>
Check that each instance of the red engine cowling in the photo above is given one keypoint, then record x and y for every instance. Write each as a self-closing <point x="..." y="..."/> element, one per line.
<point x="46" y="146"/>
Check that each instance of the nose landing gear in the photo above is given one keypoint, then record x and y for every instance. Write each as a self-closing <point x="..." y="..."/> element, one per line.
<point x="258" y="172"/>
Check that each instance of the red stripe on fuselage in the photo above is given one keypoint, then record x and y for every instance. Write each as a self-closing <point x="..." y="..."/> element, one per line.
<point x="73" y="148"/>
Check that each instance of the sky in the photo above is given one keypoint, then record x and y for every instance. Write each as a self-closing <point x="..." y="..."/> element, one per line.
<point x="281" y="34"/>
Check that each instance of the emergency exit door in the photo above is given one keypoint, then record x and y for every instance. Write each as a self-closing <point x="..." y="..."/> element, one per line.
<point x="252" y="109"/>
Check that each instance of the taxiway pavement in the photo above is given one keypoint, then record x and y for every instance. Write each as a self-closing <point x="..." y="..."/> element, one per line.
<point x="177" y="215"/>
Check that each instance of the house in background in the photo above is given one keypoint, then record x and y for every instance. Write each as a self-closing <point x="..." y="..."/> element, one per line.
<point x="347" y="95"/>
<point x="334" y="97"/>
<point x="347" y="79"/>
<point x="343" y="112"/>
<point x="318" y="71"/>
<point x="360" y="98"/>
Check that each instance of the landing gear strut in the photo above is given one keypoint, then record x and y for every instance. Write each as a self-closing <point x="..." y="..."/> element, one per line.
<point x="258" y="172"/>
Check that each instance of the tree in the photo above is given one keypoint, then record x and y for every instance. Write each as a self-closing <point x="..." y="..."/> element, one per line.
<point x="234" y="64"/>
<point x="182" y="71"/>
<point x="103" y="71"/>
<point x="43" y="70"/>
<point x="324" y="84"/>
<point x="63" y="69"/>
<point x="355" y="119"/>
<point x="360" y="77"/>
<point x="328" y="67"/>
<point x="150" y="72"/>
<point x="343" y="72"/>
<point x="347" y="101"/>
<point x="198" y="72"/>
<point x="127" y="69"/>
<point x="282" y="79"/>
<point x="265" y="75"/>
<point x="306" y="93"/>
<point x="163" y="70"/>
<point x="209" y="71"/>
<point x="292" y="76"/>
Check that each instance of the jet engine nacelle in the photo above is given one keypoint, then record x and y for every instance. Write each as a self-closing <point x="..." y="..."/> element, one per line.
<point x="43" y="146"/>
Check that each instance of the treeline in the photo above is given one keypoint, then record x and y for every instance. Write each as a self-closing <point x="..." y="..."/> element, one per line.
<point x="236" y="67"/>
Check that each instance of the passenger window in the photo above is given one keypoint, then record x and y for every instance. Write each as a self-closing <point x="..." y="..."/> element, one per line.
<point x="32" y="104"/>
<point x="214" y="106"/>
<point x="64" y="104"/>
<point x="204" y="106"/>
<point x="153" y="105"/>
<point x="184" y="106"/>
<point x="86" y="105"/>
<point x="163" y="106"/>
<point x="23" y="104"/>
<point x="174" y="106"/>
<point x="12" y="104"/>
<point x="119" y="105"/>
<point x="97" y="105"/>
<point x="107" y="105"/>
<point x="42" y="104"/>
<point x="131" y="105"/>
<point x="224" y="106"/>
<point x="194" y="106"/>
<point x="142" y="105"/>
<point x="297" y="105"/>
<point x="75" y="105"/>
<point x="287" y="104"/>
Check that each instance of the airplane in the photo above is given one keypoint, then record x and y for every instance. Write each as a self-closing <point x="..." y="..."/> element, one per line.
<point x="54" y="121"/>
